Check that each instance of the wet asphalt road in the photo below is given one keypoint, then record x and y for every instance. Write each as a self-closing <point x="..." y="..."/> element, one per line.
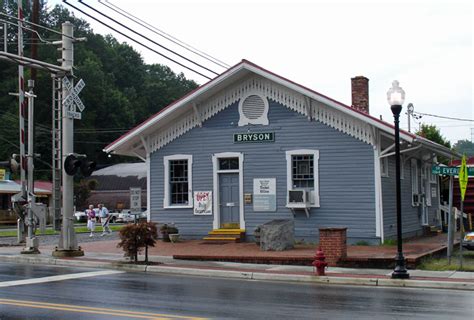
<point x="149" y="296"/>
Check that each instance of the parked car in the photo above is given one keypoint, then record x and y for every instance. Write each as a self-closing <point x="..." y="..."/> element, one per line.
<point x="129" y="216"/>
<point x="125" y="216"/>
<point x="80" y="216"/>
<point x="468" y="242"/>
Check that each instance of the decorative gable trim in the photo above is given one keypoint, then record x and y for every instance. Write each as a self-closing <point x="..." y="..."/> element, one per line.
<point x="257" y="85"/>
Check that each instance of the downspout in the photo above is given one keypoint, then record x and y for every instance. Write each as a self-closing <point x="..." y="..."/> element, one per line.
<point x="379" y="231"/>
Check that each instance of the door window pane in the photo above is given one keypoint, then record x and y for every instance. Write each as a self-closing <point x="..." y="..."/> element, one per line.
<point x="229" y="164"/>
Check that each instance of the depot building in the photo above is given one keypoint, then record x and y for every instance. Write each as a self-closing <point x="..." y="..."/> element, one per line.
<point x="251" y="146"/>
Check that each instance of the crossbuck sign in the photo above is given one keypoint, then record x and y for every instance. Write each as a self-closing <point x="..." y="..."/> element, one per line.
<point x="72" y="99"/>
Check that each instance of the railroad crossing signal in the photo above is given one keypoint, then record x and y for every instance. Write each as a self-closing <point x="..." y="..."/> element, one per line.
<point x="72" y="99"/>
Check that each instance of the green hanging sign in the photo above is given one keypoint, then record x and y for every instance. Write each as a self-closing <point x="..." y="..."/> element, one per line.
<point x="254" y="137"/>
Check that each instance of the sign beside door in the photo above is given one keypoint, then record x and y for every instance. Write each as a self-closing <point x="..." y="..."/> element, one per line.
<point x="202" y="203"/>
<point x="264" y="194"/>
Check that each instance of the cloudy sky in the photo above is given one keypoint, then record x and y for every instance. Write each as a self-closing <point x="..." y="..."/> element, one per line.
<point x="426" y="45"/>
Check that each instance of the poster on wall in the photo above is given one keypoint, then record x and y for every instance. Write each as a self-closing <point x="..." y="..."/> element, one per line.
<point x="264" y="194"/>
<point x="202" y="203"/>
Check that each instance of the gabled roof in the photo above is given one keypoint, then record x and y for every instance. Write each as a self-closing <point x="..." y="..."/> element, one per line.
<point x="120" y="176"/>
<point x="127" y="142"/>
<point x="12" y="187"/>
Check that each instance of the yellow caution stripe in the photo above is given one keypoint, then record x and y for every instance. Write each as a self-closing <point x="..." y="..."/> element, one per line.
<point x="92" y="310"/>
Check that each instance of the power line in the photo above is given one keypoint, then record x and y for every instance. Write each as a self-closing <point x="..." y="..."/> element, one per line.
<point x="26" y="28"/>
<point x="138" y="42"/>
<point x="163" y="34"/>
<point x="37" y="25"/>
<point x="144" y="37"/>
<point x="443" y="117"/>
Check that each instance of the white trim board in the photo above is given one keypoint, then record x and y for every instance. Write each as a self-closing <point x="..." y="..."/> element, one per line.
<point x="215" y="178"/>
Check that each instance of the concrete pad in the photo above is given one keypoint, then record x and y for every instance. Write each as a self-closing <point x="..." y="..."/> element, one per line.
<point x="290" y="268"/>
<point x="427" y="284"/>
<point x="200" y="272"/>
<point x="431" y="274"/>
<point x="462" y="275"/>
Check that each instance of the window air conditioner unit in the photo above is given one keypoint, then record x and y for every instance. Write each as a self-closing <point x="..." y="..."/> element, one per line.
<point x="298" y="199"/>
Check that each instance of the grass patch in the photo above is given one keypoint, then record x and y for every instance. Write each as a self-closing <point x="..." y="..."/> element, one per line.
<point x="12" y="233"/>
<point x="441" y="264"/>
<point x="390" y="242"/>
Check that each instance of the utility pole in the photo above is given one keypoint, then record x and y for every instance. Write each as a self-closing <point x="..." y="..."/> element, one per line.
<point x="31" y="240"/>
<point x="22" y="197"/>
<point x="67" y="242"/>
<point x="410" y="109"/>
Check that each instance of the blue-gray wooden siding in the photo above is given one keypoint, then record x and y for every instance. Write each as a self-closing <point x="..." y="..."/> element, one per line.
<point x="346" y="173"/>
<point x="411" y="215"/>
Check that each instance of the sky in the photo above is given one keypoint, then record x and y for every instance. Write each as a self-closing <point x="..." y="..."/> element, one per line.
<point x="425" y="45"/>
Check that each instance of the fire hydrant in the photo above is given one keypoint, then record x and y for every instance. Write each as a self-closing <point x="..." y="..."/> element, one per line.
<point x="319" y="262"/>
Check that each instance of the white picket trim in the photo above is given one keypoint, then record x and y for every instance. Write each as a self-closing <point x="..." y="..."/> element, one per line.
<point x="289" y="98"/>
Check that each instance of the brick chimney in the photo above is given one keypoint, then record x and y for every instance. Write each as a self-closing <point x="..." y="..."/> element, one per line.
<point x="360" y="93"/>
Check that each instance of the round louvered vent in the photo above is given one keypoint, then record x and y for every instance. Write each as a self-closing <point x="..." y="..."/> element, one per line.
<point x="253" y="107"/>
<point x="253" y="110"/>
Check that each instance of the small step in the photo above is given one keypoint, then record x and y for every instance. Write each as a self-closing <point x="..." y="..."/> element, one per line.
<point x="237" y="232"/>
<point x="231" y="239"/>
<point x="225" y="235"/>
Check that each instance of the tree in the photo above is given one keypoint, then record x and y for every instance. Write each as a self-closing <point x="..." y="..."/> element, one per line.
<point x="431" y="132"/>
<point x="464" y="147"/>
<point x="121" y="90"/>
<point x="82" y="191"/>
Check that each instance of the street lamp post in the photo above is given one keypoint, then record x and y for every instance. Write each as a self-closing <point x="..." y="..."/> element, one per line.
<point x="396" y="97"/>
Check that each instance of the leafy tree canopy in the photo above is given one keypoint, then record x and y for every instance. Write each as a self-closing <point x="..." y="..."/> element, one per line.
<point x="121" y="90"/>
<point x="464" y="147"/>
<point x="431" y="132"/>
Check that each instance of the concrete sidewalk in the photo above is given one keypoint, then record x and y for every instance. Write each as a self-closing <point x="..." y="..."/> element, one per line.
<point x="104" y="254"/>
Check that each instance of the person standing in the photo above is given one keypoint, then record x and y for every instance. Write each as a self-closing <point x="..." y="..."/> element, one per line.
<point x="104" y="219"/>
<point x="90" y="213"/>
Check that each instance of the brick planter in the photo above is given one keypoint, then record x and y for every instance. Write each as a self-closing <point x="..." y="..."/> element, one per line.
<point x="333" y="243"/>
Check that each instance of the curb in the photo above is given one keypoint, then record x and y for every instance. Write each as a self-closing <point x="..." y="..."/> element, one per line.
<point x="232" y="274"/>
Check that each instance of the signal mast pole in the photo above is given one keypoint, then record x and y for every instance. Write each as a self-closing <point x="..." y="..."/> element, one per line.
<point x="67" y="242"/>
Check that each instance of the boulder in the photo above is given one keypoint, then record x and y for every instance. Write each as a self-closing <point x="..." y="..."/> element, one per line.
<point x="277" y="235"/>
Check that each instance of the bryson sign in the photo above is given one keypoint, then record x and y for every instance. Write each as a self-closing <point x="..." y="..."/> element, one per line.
<point x="254" y="137"/>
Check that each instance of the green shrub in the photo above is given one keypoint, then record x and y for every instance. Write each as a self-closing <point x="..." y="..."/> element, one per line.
<point x="390" y="242"/>
<point x="362" y="243"/>
<point x="166" y="230"/>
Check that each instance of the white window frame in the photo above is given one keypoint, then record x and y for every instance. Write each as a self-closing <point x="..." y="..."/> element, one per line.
<point x="427" y="184"/>
<point x="166" y="198"/>
<point x="263" y="120"/>
<point x="289" y="175"/>
<point x="415" y="185"/>
<point x="384" y="167"/>
<point x="433" y="177"/>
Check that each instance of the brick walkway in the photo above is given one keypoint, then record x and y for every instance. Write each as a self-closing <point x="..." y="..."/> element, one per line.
<point x="358" y="256"/>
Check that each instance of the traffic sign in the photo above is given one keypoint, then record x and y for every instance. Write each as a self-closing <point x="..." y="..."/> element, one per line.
<point x="450" y="171"/>
<point x="135" y="199"/>
<point x="73" y="115"/>
<point x="463" y="177"/>
<point x="72" y="98"/>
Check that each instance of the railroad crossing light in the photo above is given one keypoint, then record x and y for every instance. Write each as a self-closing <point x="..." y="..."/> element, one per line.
<point x="11" y="164"/>
<point x="71" y="164"/>
<point x="14" y="162"/>
<point x="87" y="167"/>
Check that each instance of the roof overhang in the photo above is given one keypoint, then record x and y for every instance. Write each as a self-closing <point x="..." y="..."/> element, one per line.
<point x="133" y="143"/>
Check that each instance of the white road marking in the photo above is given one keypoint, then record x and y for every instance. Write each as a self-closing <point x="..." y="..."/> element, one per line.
<point x="58" y="278"/>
